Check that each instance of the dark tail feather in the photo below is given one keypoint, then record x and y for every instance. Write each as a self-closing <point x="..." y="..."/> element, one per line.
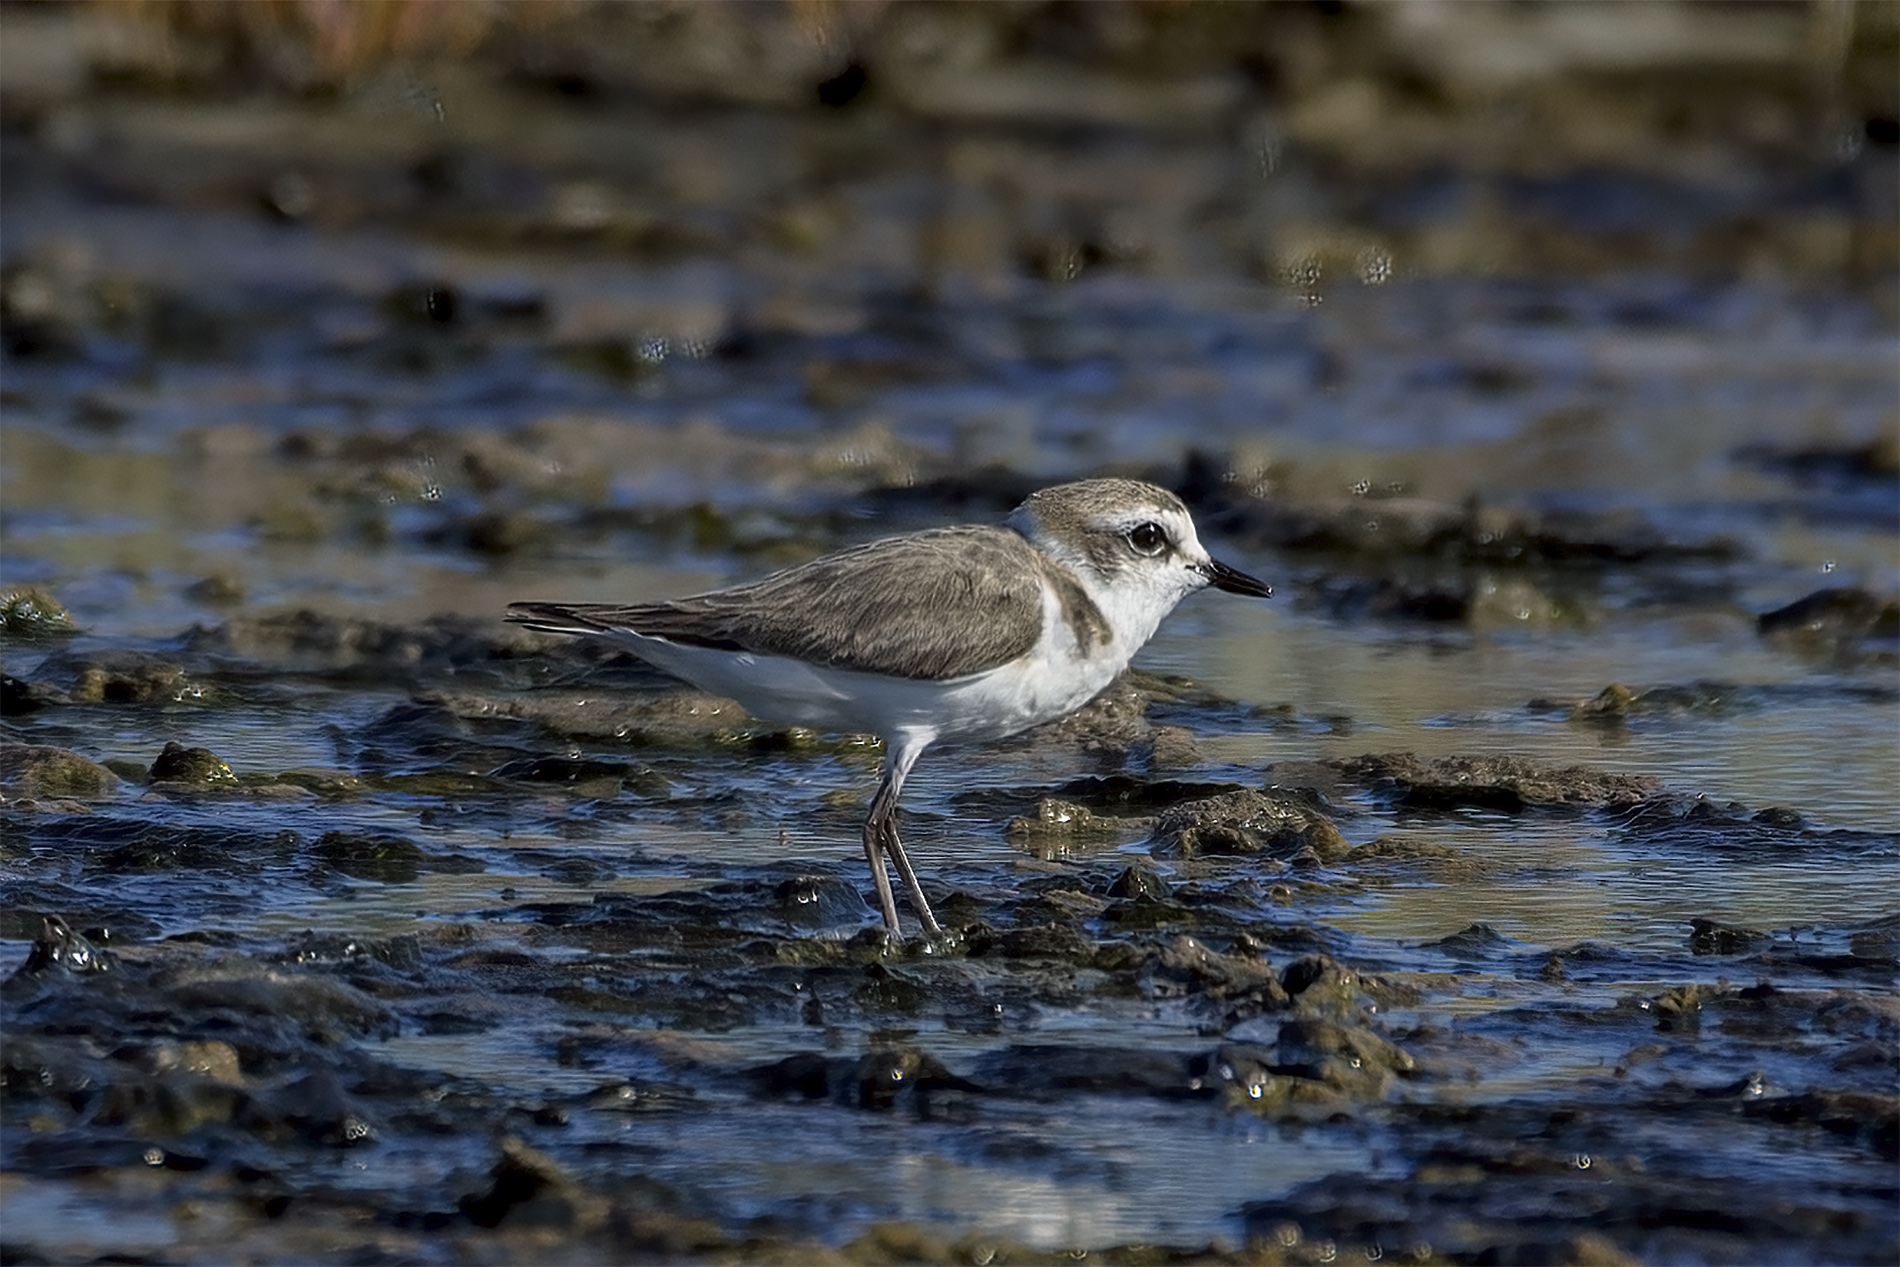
<point x="561" y="618"/>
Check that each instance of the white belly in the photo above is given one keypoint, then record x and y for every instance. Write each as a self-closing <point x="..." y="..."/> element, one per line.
<point x="1053" y="679"/>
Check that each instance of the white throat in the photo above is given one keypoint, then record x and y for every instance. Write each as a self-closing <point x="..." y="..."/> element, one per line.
<point x="1136" y="594"/>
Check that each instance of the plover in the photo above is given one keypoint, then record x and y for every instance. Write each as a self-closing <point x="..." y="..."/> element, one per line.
<point x="950" y="634"/>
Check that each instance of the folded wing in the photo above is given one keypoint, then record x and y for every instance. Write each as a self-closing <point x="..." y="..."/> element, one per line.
<point x="930" y="606"/>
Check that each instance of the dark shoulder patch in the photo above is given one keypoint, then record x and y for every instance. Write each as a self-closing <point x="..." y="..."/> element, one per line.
<point x="1084" y="618"/>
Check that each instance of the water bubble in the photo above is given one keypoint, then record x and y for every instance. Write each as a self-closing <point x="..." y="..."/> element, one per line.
<point x="153" y="1156"/>
<point x="1361" y="487"/>
<point x="1582" y="1161"/>
<point x="1303" y="274"/>
<point x="652" y="348"/>
<point x="1374" y="265"/>
<point x="1827" y="565"/>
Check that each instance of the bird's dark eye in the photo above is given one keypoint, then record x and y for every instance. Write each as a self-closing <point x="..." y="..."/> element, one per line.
<point x="1148" y="538"/>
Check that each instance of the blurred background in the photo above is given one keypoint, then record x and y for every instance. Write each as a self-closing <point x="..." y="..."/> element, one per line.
<point x="1569" y="324"/>
<point x="480" y="278"/>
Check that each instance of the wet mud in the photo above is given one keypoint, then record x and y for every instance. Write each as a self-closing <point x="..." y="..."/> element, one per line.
<point x="648" y="1011"/>
<point x="1517" y="886"/>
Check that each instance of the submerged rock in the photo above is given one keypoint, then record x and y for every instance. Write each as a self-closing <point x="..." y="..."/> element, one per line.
<point x="41" y="770"/>
<point x="1056" y="827"/>
<point x="29" y="612"/>
<point x="1831" y="621"/>
<point x="1317" y="985"/>
<point x="1237" y="986"/>
<point x="119" y="676"/>
<point x="59" y="948"/>
<point x="877" y="1080"/>
<point x="1679" y="1008"/>
<point x="1492" y="782"/>
<point x="1312" y="1068"/>
<point x="529" y="1189"/>
<point x="1474" y="941"/>
<point x="1712" y="937"/>
<point x="1875" y="460"/>
<point x="19" y="697"/>
<point x="1730" y="827"/>
<point x="311" y="640"/>
<point x="664" y="717"/>
<point x="1280" y="825"/>
<point x="1349" y="1057"/>
<point x="814" y="902"/>
<point x="194" y="766"/>
<point x="371" y="855"/>
<point x="1047" y="1071"/>
<point x="1617" y="703"/>
<point x="1139" y="884"/>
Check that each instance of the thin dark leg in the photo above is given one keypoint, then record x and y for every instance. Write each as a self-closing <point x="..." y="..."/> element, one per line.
<point x="880" y="833"/>
<point x="917" y="901"/>
<point x="874" y="831"/>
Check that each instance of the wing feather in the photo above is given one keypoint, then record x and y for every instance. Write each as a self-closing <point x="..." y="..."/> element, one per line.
<point x="929" y="606"/>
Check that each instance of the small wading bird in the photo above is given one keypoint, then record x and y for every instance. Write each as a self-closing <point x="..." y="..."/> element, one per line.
<point x="955" y="634"/>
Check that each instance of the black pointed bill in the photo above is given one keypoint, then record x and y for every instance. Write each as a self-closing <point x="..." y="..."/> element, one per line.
<point x="1233" y="580"/>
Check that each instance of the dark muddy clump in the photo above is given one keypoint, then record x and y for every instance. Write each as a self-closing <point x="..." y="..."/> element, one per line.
<point x="29" y="614"/>
<point x="1279" y="825"/>
<point x="41" y="770"/>
<point x="115" y="677"/>
<point x="1505" y="783"/>
<point x="193" y="767"/>
<point x="1832" y="622"/>
<point x="1056" y="827"/>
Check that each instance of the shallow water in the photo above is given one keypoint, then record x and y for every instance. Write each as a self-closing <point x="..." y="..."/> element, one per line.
<point x="437" y="908"/>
